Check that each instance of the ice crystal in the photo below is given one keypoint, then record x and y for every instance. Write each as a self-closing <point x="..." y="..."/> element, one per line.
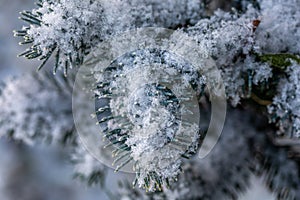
<point x="279" y="30"/>
<point x="168" y="14"/>
<point x="285" y="107"/>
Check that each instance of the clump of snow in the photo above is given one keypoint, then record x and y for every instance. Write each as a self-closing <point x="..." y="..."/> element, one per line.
<point x="279" y="30"/>
<point x="72" y="26"/>
<point x="230" y="39"/>
<point x="167" y="14"/>
<point x="151" y="114"/>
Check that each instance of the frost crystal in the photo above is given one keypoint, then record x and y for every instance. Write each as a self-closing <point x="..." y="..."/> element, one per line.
<point x="279" y="30"/>
<point x="285" y="110"/>
<point x="168" y="14"/>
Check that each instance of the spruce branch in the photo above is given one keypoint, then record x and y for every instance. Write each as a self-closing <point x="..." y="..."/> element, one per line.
<point x="70" y="29"/>
<point x="258" y="57"/>
<point x="142" y="118"/>
<point x="30" y="111"/>
<point x="66" y="29"/>
<point x="37" y="108"/>
<point x="281" y="61"/>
